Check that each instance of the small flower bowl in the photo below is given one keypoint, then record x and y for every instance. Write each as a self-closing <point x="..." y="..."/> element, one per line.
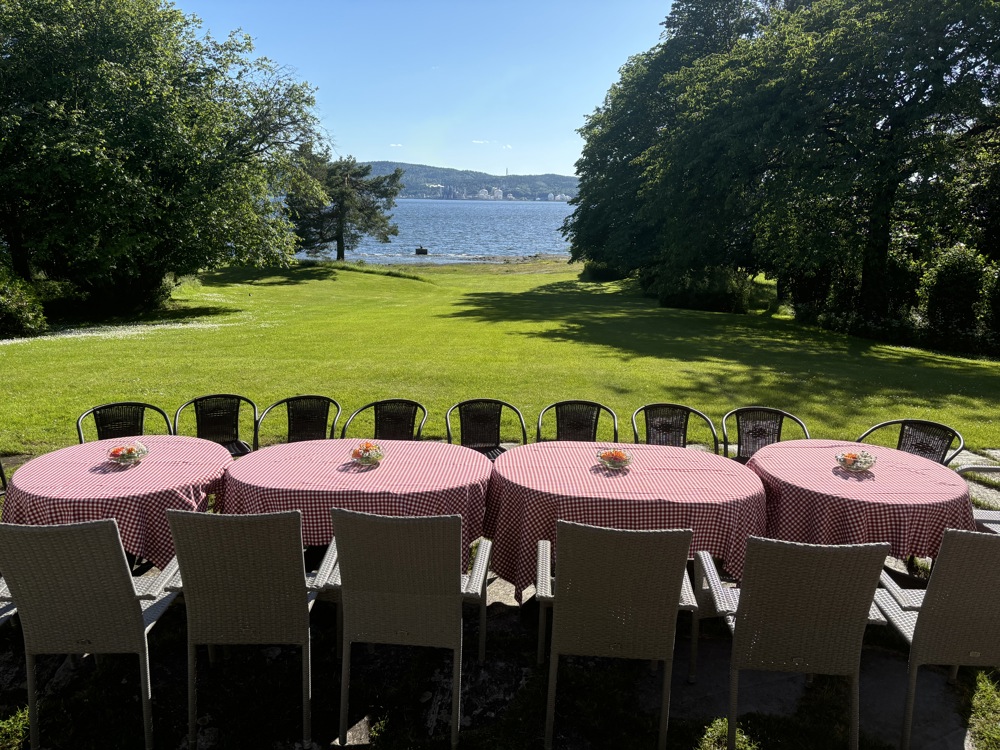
<point x="367" y="454"/>
<point x="129" y="454"/>
<point x="860" y="461"/>
<point x="614" y="459"/>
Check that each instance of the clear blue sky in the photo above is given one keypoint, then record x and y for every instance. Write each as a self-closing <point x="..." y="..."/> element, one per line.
<point x="486" y="86"/>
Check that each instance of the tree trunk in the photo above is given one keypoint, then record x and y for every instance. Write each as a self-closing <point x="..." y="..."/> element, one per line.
<point x="874" y="289"/>
<point x="340" y="235"/>
<point x="20" y="258"/>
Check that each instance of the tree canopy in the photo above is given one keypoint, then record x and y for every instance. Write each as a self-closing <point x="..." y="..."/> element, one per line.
<point x="355" y="204"/>
<point x="132" y="147"/>
<point x="840" y="146"/>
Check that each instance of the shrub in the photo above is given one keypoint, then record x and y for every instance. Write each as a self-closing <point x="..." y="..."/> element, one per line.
<point x="715" y="288"/>
<point x="951" y="296"/>
<point x="20" y="311"/>
<point x="594" y="270"/>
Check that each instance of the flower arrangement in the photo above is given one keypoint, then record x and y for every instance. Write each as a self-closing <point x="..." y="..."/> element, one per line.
<point x="367" y="453"/>
<point x="856" y="461"/>
<point x="128" y="455"/>
<point x="615" y="458"/>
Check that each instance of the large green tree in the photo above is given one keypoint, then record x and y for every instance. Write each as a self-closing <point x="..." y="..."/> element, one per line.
<point x="355" y="204"/>
<point x="131" y="146"/>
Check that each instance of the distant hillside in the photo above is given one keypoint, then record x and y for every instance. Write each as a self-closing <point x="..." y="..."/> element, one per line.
<point x="421" y="181"/>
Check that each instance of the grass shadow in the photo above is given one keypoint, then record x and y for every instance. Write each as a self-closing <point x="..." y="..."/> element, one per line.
<point x="776" y="361"/>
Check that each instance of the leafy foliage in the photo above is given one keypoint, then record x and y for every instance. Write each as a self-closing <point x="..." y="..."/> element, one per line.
<point x="20" y="311"/>
<point x="354" y="205"/>
<point x="824" y="143"/>
<point x="131" y="147"/>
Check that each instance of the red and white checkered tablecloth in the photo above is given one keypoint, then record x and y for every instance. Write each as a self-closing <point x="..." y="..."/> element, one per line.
<point x="905" y="500"/>
<point x="78" y="484"/>
<point x="664" y="488"/>
<point x="416" y="478"/>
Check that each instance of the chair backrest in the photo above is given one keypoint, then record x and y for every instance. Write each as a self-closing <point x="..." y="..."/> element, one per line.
<point x="804" y="607"/>
<point x="617" y="591"/>
<point x="3" y="481"/>
<point x="923" y="438"/>
<point x="217" y="417"/>
<point x="120" y="419"/>
<point x="577" y="420"/>
<point x="667" y="424"/>
<point x="243" y="576"/>
<point x="756" y="426"/>
<point x="400" y="578"/>
<point x="308" y="417"/>
<point x="479" y="423"/>
<point x="395" y="419"/>
<point x="959" y="621"/>
<point x="73" y="588"/>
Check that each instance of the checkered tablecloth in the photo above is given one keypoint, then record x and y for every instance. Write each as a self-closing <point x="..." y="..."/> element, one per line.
<point x="664" y="488"/>
<point x="78" y="484"/>
<point x="905" y="500"/>
<point x="416" y="478"/>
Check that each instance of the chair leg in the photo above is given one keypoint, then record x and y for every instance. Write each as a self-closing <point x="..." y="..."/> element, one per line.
<point x="307" y="693"/>
<point x="456" y="693"/>
<point x="550" y="709"/>
<point x="693" y="666"/>
<point x="192" y="697"/>
<point x="542" y="612"/>
<point x="665" y="708"/>
<point x="345" y="681"/>
<point x="855" y="708"/>
<point x="32" y="701"/>
<point x="147" y="697"/>
<point x="911" y="695"/>
<point x="482" y="628"/>
<point x="734" y="684"/>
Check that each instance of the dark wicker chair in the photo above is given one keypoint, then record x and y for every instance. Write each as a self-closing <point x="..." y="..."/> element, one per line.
<point x="120" y="419"/>
<point x="395" y="419"/>
<point x="308" y="417"/>
<point x="922" y="438"/>
<point x="667" y="424"/>
<point x="577" y="420"/>
<point x="3" y="482"/>
<point x="217" y="418"/>
<point x="479" y="422"/>
<point x="756" y="426"/>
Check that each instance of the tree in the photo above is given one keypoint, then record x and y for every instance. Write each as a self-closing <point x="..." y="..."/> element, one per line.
<point x="355" y="205"/>
<point x="131" y="148"/>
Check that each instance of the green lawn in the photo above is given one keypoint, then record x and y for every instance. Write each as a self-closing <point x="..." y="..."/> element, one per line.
<point x="530" y="334"/>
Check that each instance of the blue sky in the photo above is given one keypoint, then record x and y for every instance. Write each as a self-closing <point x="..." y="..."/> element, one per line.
<point x="486" y="86"/>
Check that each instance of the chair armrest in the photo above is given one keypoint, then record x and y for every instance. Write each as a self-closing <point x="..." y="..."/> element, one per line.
<point x="909" y="600"/>
<point x="543" y="572"/>
<point x="707" y="581"/>
<point x="5" y="592"/>
<point x="476" y="582"/>
<point x="688" y="600"/>
<point x="152" y="587"/>
<point x="328" y="575"/>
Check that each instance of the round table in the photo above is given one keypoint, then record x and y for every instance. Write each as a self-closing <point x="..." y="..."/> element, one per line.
<point x="416" y="478"/>
<point x="905" y="500"/>
<point x="664" y="488"/>
<point x="79" y="483"/>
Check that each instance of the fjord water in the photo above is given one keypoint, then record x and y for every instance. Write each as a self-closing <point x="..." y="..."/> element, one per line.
<point x="468" y="231"/>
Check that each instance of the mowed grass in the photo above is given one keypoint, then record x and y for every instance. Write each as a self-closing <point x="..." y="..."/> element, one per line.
<point x="528" y="333"/>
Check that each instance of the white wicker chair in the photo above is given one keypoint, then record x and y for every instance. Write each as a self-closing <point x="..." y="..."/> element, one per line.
<point x="986" y="520"/>
<point x="402" y="583"/>
<point x="264" y="597"/>
<point x="956" y="621"/>
<point x="87" y="603"/>
<point x="801" y="608"/>
<point x="616" y="594"/>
